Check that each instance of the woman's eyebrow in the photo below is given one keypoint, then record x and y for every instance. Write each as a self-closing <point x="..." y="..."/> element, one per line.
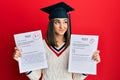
<point x="59" y="20"/>
<point x="65" y="19"/>
<point x="56" y="20"/>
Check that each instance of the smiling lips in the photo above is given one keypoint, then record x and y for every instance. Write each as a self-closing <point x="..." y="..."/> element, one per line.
<point x="61" y="30"/>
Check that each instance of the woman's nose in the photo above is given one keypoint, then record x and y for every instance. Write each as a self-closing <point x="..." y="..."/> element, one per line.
<point x="61" y="25"/>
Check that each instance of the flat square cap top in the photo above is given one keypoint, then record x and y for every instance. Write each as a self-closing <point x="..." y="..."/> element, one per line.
<point x="58" y="10"/>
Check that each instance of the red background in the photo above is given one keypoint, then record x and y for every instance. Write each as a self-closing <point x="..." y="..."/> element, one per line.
<point x="99" y="17"/>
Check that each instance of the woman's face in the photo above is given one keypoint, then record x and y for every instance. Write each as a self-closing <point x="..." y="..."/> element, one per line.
<point x="60" y="25"/>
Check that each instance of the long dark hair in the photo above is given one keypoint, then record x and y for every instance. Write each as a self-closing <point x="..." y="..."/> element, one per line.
<point x="50" y="36"/>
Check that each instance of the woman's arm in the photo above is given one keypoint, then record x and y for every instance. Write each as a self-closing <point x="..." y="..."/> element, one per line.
<point x="34" y="75"/>
<point x="78" y="76"/>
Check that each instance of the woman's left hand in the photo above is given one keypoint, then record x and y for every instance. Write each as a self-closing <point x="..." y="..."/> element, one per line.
<point x="96" y="56"/>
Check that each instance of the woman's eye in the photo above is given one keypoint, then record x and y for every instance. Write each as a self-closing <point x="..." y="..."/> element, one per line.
<point x="56" y="22"/>
<point x="66" y="22"/>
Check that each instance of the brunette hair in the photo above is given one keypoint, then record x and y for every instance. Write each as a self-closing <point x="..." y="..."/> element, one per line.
<point x="50" y="36"/>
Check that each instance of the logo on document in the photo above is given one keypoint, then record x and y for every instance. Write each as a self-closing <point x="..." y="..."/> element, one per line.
<point x="36" y="35"/>
<point x="92" y="41"/>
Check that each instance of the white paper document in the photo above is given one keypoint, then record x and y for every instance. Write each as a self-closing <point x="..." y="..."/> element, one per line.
<point x="82" y="48"/>
<point x="32" y="50"/>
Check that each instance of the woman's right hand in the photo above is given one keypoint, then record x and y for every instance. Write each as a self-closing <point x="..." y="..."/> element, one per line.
<point x="16" y="54"/>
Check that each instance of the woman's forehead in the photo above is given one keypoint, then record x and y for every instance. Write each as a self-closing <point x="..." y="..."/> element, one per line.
<point x="60" y="18"/>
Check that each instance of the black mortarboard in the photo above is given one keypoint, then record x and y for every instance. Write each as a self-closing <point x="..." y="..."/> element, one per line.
<point x="58" y="10"/>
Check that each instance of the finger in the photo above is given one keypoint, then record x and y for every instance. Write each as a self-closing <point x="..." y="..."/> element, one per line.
<point x="18" y="53"/>
<point x="95" y="55"/>
<point x="15" y="58"/>
<point x="97" y="52"/>
<point x="16" y="49"/>
<point x="96" y="58"/>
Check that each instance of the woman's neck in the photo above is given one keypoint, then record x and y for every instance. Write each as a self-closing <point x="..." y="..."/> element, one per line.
<point x="60" y="40"/>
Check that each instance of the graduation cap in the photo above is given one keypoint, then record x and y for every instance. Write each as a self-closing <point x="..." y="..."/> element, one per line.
<point x="58" y="10"/>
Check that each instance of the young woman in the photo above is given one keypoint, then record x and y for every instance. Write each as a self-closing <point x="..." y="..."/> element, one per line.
<point x="57" y="47"/>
